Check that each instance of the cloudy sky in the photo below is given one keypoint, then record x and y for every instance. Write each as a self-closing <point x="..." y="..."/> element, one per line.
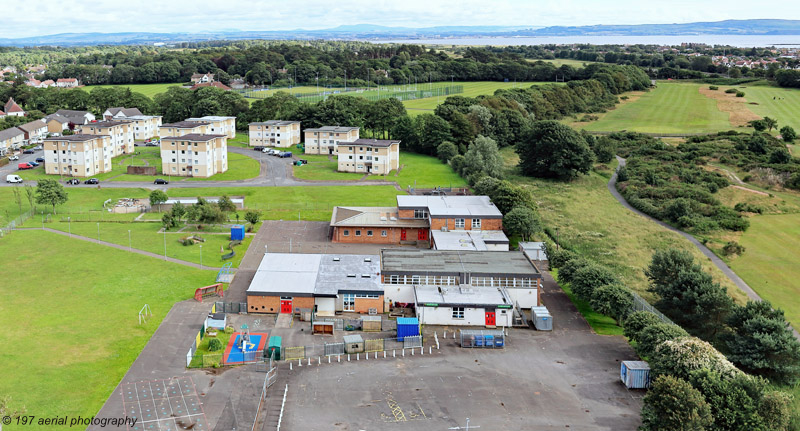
<point x="40" y="17"/>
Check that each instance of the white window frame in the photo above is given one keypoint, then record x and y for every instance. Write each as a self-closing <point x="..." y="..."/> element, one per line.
<point x="458" y="313"/>
<point x="476" y="223"/>
<point x="459" y="223"/>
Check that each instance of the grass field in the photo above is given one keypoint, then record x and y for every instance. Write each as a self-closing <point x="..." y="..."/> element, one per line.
<point x="471" y="89"/>
<point x="71" y="318"/>
<point x="319" y="168"/>
<point x="669" y="108"/>
<point x="782" y="104"/>
<point x="149" y="90"/>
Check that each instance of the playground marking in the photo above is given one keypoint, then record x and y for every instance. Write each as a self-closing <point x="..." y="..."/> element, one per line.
<point x="180" y="393"/>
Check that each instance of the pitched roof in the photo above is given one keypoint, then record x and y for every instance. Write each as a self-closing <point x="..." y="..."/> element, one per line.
<point x="128" y="112"/>
<point x="33" y="125"/>
<point x="56" y="117"/>
<point x="67" y="80"/>
<point x="186" y="124"/>
<point x="10" y="133"/>
<point x="11" y="106"/>
<point x="75" y="138"/>
<point x="274" y="123"/>
<point x="211" y="84"/>
<point x="193" y="137"/>
<point x="71" y="113"/>
<point x="340" y="129"/>
<point x="372" y="217"/>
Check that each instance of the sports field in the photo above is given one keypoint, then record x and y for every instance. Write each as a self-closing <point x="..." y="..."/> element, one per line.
<point x="471" y="89"/>
<point x="782" y="104"/>
<point x="71" y="318"/>
<point x="670" y="108"/>
<point x="148" y="90"/>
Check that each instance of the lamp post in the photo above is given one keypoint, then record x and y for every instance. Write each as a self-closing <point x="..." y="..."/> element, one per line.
<point x="201" y="256"/>
<point x="130" y="244"/>
<point x="165" y="244"/>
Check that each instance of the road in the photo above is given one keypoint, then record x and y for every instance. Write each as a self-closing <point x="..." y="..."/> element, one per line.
<point x="273" y="172"/>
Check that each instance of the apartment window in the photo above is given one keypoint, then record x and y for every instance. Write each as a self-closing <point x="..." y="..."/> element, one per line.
<point x="346" y="232"/>
<point x="195" y="162"/>
<point x="476" y="223"/>
<point x="420" y="214"/>
<point x="459" y="223"/>
<point x="383" y="233"/>
<point x="458" y="312"/>
<point x="369" y="233"/>
<point x="358" y="233"/>
<point x="349" y="157"/>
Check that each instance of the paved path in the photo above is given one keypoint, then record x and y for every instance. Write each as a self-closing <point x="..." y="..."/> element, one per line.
<point x="122" y="247"/>
<point x="612" y="187"/>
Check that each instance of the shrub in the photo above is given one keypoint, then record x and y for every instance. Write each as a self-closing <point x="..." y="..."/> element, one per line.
<point x="229" y="329"/>
<point x="446" y="151"/>
<point x="613" y="300"/>
<point x="652" y="336"/>
<point x="748" y="208"/>
<point x="740" y="94"/>
<point x="214" y="345"/>
<point x="558" y="256"/>
<point x="636" y="322"/>
<point x="567" y="269"/>
<point x="731" y="91"/>
<point x="589" y="277"/>
<point x="713" y="87"/>
<point x="673" y="404"/>
<point x="681" y="356"/>
<point x="788" y="134"/>
<point x="733" y="247"/>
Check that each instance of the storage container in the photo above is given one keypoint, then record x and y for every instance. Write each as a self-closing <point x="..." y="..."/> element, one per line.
<point x="353" y="344"/>
<point x="635" y="374"/>
<point x="407" y="327"/>
<point x="324" y="328"/>
<point x="274" y="347"/>
<point x="482" y="338"/>
<point x="237" y="232"/>
<point x="541" y="318"/>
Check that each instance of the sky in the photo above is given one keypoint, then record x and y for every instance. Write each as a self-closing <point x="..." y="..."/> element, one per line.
<point x="42" y="17"/>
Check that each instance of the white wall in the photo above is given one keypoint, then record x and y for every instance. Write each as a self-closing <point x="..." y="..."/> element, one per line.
<point x="497" y="247"/>
<point x="325" y="306"/>
<point x="527" y="297"/>
<point x="399" y="292"/>
<point x="472" y="316"/>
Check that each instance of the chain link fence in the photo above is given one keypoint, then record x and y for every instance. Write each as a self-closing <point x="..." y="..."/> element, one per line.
<point x="640" y="304"/>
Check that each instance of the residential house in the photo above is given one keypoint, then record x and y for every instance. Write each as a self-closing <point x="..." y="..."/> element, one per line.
<point x="194" y="155"/>
<point x="33" y="83"/>
<point x="274" y="133"/>
<point x="10" y="140"/>
<point x="35" y="131"/>
<point x="216" y="84"/>
<point x="326" y="283"/>
<point x="238" y="84"/>
<point x="183" y="128"/>
<point x="144" y="126"/>
<point x="120" y="113"/>
<point x="325" y="140"/>
<point x="121" y="133"/>
<point x="78" y="155"/>
<point x="11" y="109"/>
<point x="47" y="83"/>
<point x="77" y="117"/>
<point x="218" y="125"/>
<point x="56" y="123"/>
<point x="369" y="156"/>
<point x="200" y="78"/>
<point x="67" y="83"/>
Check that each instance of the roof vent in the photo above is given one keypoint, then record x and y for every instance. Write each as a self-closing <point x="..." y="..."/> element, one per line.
<point x="336" y="259"/>
<point x="444" y="228"/>
<point x="367" y="259"/>
<point x="383" y="218"/>
<point x="393" y="218"/>
<point x="351" y="276"/>
<point x="365" y="276"/>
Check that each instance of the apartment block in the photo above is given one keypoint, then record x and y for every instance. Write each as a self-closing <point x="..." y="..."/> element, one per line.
<point x="369" y="156"/>
<point x="121" y="133"/>
<point x="218" y="125"/>
<point x="274" y="133"/>
<point x="78" y="155"/>
<point x="325" y="140"/>
<point x="181" y="128"/>
<point x="194" y="155"/>
<point x="10" y="139"/>
<point x="144" y="126"/>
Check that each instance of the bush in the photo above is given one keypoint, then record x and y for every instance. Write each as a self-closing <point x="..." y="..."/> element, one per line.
<point x="636" y="322"/>
<point x="748" y="208"/>
<point x="788" y="134"/>
<point x="732" y="247"/>
<point x="740" y="94"/>
<point x="214" y="345"/>
<point x="589" y="277"/>
<point x="681" y="356"/>
<point x="557" y="256"/>
<point x="446" y="151"/>
<point x="731" y="91"/>
<point x="567" y="269"/>
<point x="229" y="329"/>
<point x="457" y="163"/>
<point x="652" y="336"/>
<point x="713" y="87"/>
<point x="613" y="300"/>
<point x="673" y="404"/>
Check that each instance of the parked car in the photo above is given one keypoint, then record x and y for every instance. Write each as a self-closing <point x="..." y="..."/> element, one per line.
<point x="92" y="181"/>
<point x="259" y="148"/>
<point x="23" y="166"/>
<point x="160" y="181"/>
<point x="37" y="148"/>
<point x="33" y="163"/>
<point x="151" y="144"/>
<point x="13" y="179"/>
<point x="73" y="181"/>
<point x="28" y="152"/>
<point x="13" y="158"/>
<point x="303" y="161"/>
<point x="40" y="159"/>
<point x="285" y="154"/>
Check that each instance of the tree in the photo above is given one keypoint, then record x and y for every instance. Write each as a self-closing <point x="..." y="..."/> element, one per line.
<point x="788" y="134"/>
<point x="482" y="159"/>
<point x="653" y="335"/>
<point x="30" y="194"/>
<point x="636" y="322"/>
<point x="252" y="217"/>
<point x="550" y="149"/>
<point x="681" y="356"/>
<point x="178" y="211"/>
<point x="589" y="277"/>
<point x="771" y="123"/>
<point x="522" y="221"/>
<point x="665" y="266"/>
<point x="18" y="198"/>
<point x="780" y="156"/>
<point x="158" y="197"/>
<point x="734" y="400"/>
<point x="504" y="194"/>
<point x="446" y="151"/>
<point x="759" y="125"/>
<point x="761" y="343"/>
<point x="613" y="300"/>
<point x="50" y="192"/>
<point x="567" y="270"/>
<point x="226" y="204"/>
<point x="672" y="404"/>
<point x="168" y="221"/>
<point x="604" y="149"/>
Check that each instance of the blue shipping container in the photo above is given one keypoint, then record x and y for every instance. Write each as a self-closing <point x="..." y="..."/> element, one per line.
<point x="407" y="327"/>
<point x="237" y="232"/>
<point x="635" y="374"/>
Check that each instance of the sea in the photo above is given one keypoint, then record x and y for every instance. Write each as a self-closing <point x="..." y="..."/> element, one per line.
<point x="742" y="41"/>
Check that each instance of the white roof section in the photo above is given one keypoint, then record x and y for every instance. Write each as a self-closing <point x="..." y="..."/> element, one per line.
<point x="451" y="206"/>
<point x="461" y="295"/>
<point x="211" y="118"/>
<point x="283" y="272"/>
<point x="142" y="117"/>
<point x="467" y="239"/>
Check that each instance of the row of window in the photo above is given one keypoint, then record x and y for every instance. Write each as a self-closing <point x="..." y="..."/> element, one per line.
<point x="429" y="280"/>
<point x="460" y="223"/>
<point x="346" y="232"/>
<point x="502" y="282"/>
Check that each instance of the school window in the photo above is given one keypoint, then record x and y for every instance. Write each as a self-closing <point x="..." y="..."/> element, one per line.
<point x="420" y="214"/>
<point x="369" y="233"/>
<point x="476" y="223"/>
<point x="358" y="233"/>
<point x="459" y="223"/>
<point x="367" y="296"/>
<point x="458" y="312"/>
<point x="383" y="233"/>
<point x="346" y="232"/>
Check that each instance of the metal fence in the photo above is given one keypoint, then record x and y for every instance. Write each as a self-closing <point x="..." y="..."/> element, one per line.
<point x="338" y="348"/>
<point x="640" y="304"/>
<point x="231" y="307"/>
<point x="14" y="223"/>
<point x="340" y="324"/>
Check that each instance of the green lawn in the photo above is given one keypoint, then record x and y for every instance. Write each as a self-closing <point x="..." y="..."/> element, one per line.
<point x="782" y="104"/>
<point x="148" y="90"/>
<point x="769" y="263"/>
<point x="669" y="108"/>
<point x="319" y="168"/>
<point x="471" y="89"/>
<point x="71" y="318"/>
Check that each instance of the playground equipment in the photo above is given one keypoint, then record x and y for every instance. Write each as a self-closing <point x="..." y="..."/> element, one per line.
<point x="246" y="345"/>
<point x="204" y="292"/>
<point x="232" y="253"/>
<point x="144" y="312"/>
<point x="225" y="274"/>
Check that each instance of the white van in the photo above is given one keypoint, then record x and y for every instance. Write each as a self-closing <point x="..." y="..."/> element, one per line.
<point x="13" y="179"/>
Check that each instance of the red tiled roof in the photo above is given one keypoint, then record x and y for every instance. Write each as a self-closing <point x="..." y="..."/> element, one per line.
<point x="211" y="84"/>
<point x="11" y="106"/>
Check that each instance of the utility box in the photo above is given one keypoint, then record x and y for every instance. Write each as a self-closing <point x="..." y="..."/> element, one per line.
<point x="237" y="232"/>
<point x="407" y="327"/>
<point x="635" y="374"/>
<point x="353" y="344"/>
<point x="274" y="347"/>
<point x="323" y="328"/>
<point x="542" y="320"/>
<point x="371" y="323"/>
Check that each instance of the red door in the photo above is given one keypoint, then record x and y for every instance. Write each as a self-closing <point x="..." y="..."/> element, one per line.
<point x="490" y="318"/>
<point x="422" y="235"/>
<point x="286" y="306"/>
<point x="402" y="234"/>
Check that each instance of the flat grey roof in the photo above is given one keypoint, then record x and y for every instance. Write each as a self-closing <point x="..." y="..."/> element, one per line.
<point x="274" y="123"/>
<point x="75" y="138"/>
<point x="451" y="206"/>
<point x="339" y="129"/>
<point x="476" y="263"/>
<point x="186" y="124"/>
<point x="298" y="274"/>
<point x="467" y="239"/>
<point x="460" y="295"/>
<point x="382" y="143"/>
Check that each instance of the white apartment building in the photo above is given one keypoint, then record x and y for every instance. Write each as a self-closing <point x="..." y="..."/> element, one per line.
<point x="194" y="155"/>
<point x="78" y="155"/>
<point x="325" y="140"/>
<point x="181" y="128"/>
<point x="10" y="140"/>
<point x="274" y="133"/>
<point x="218" y="125"/>
<point x="144" y="126"/>
<point x="121" y="133"/>
<point x="369" y="156"/>
<point x="34" y="131"/>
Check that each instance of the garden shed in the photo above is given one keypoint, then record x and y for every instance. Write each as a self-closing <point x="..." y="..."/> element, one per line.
<point x="353" y="344"/>
<point x="216" y="320"/>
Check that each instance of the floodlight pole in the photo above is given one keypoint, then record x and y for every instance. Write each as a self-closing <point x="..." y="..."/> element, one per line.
<point x="130" y="244"/>
<point x="165" y="244"/>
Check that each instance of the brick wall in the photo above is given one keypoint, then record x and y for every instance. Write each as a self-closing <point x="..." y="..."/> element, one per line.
<point x="272" y="304"/>
<point x="486" y="224"/>
<point x="393" y="235"/>
<point x="405" y="213"/>
<point x="364" y="304"/>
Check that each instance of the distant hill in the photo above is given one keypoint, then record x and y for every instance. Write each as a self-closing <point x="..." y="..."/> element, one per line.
<point x="377" y="32"/>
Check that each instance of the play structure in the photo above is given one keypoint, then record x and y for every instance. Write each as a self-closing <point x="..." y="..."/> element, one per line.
<point x="225" y="274"/>
<point x="231" y="245"/>
<point x="245" y="346"/>
<point x="207" y="291"/>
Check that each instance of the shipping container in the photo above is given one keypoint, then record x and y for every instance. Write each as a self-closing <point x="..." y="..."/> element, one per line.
<point x="541" y="318"/>
<point x="635" y="374"/>
<point x="237" y="232"/>
<point x="371" y="323"/>
<point x="353" y="344"/>
<point x="274" y="347"/>
<point x="407" y="327"/>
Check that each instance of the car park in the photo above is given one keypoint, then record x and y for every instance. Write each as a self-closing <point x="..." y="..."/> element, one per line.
<point x="92" y="181"/>
<point x="73" y="181"/>
<point x="13" y="158"/>
<point x="29" y="151"/>
<point x="33" y="163"/>
<point x="259" y="148"/>
<point x="160" y="181"/>
<point x="40" y="159"/>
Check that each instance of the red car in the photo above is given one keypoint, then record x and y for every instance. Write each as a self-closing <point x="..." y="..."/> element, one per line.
<point x="23" y="166"/>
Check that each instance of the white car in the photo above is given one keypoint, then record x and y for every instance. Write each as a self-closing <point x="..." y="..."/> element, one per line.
<point x="13" y="158"/>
